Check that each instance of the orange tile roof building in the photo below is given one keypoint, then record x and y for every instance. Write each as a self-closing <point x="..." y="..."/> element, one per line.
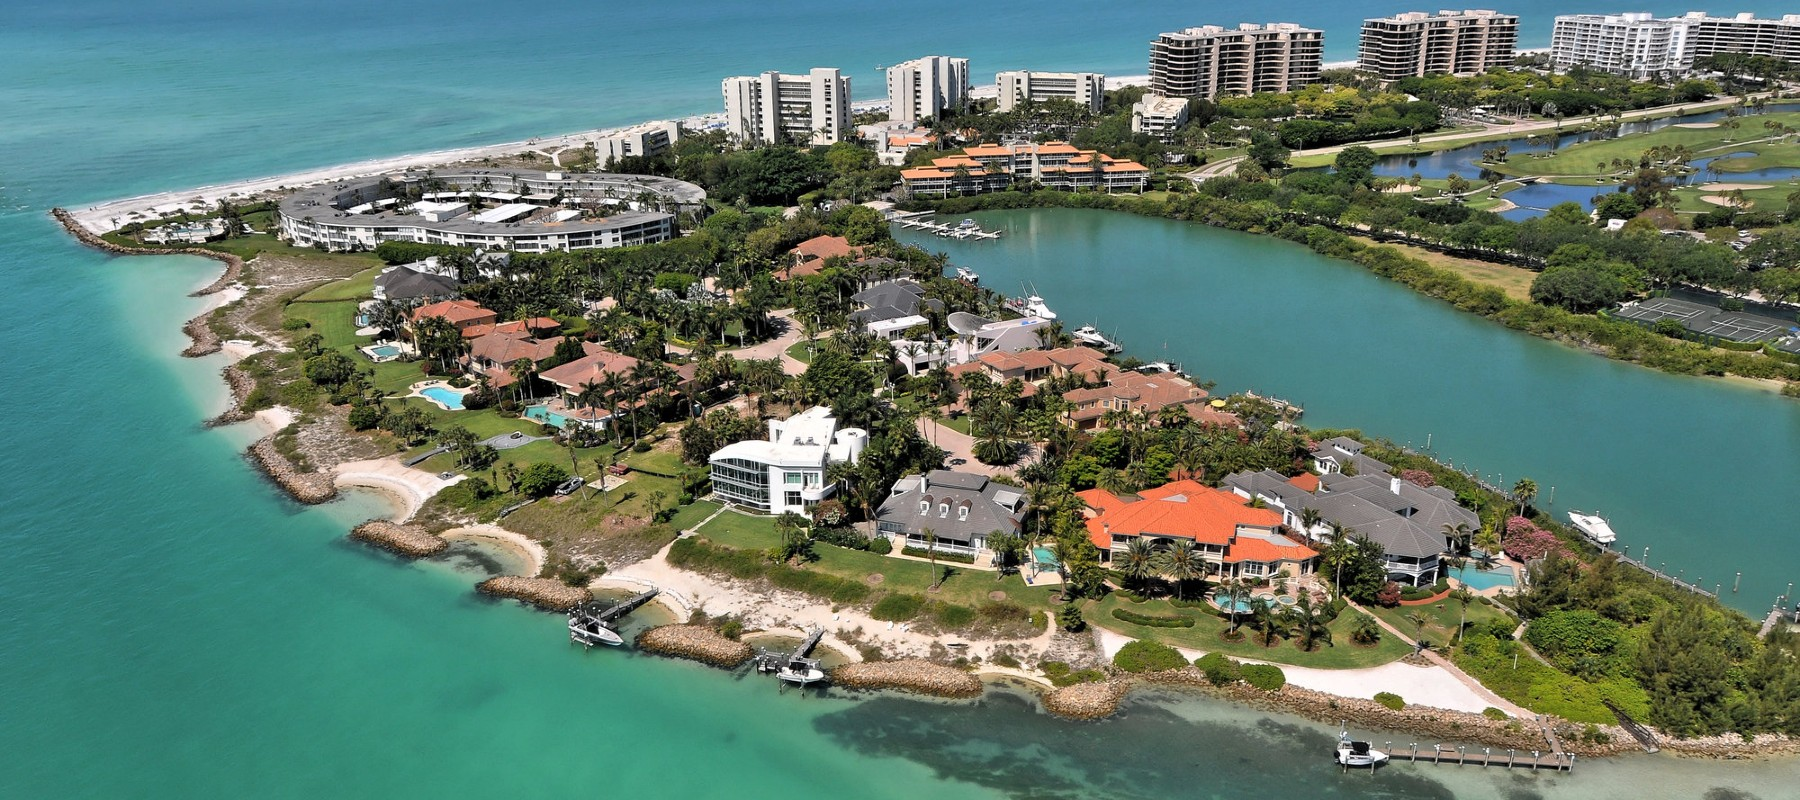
<point x="1235" y="539"/>
<point x="1135" y="391"/>
<point x="494" y="354"/>
<point x="461" y="313"/>
<point x="536" y="326"/>
<point x="1056" y="165"/>
<point x="808" y="257"/>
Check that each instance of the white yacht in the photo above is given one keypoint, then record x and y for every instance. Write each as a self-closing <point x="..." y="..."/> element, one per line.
<point x="801" y="672"/>
<point x="968" y="276"/>
<point x="1595" y="527"/>
<point x="1088" y="335"/>
<point x="1159" y="367"/>
<point x="1033" y="306"/>
<point x="1357" y="754"/>
<point x="586" y="630"/>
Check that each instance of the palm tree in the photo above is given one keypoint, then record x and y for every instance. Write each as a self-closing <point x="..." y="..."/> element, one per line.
<point x="510" y="471"/>
<point x="1418" y="620"/>
<point x="1523" y="492"/>
<point x="1462" y="596"/>
<point x="1267" y="621"/>
<point x="1181" y="563"/>
<point x="1309" y="621"/>
<point x="1459" y="534"/>
<point x="521" y="371"/>
<point x="1340" y="549"/>
<point x="1237" y="593"/>
<point x="1310" y="519"/>
<point x="1138" y="562"/>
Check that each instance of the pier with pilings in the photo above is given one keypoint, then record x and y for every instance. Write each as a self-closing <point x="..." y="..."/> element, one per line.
<point x="966" y="231"/>
<point x="1486" y="757"/>
<point x="794" y="667"/>
<point x="590" y="624"/>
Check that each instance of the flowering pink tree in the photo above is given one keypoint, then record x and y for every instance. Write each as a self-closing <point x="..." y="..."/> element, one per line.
<point x="1418" y="477"/>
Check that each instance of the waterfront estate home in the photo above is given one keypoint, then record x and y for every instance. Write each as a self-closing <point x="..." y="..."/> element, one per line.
<point x="460" y="313"/>
<point x="786" y="472"/>
<point x="1333" y="454"/>
<point x="1412" y="524"/>
<point x="808" y="257"/>
<point x="1141" y="393"/>
<point x="1235" y="539"/>
<point x="591" y="373"/>
<point x="977" y="335"/>
<point x="537" y="327"/>
<point x="888" y="308"/>
<point x="960" y="509"/>
<point x="494" y="354"/>
<point x="415" y="282"/>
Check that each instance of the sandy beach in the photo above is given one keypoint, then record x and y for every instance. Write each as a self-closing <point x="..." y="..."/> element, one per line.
<point x="522" y="546"/>
<point x="409" y="487"/>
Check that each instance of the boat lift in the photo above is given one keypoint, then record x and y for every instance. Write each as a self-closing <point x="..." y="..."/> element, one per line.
<point x="795" y="667"/>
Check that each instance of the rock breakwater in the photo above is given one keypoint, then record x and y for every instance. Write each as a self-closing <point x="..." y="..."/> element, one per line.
<point x="241" y="384"/>
<point x="234" y="266"/>
<point x="909" y="675"/>
<point x="311" y="488"/>
<point x="1087" y="700"/>
<point x="544" y="593"/>
<point x="411" y="541"/>
<point x="695" y="643"/>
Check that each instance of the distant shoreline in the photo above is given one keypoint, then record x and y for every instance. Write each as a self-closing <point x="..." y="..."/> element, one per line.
<point x="110" y="215"/>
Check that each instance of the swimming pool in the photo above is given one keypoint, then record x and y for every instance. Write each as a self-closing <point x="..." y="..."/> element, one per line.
<point x="543" y="414"/>
<point x="443" y="396"/>
<point x="1045" y="558"/>
<point x="385" y="350"/>
<point x="1479" y="579"/>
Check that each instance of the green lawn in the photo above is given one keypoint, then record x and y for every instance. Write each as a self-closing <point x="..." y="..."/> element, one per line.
<point x="1773" y="198"/>
<point x="1585" y="158"/>
<point x="692" y="514"/>
<point x="1770" y="154"/>
<point x="360" y="286"/>
<point x="1440" y="618"/>
<point x="1205" y="636"/>
<point x="964" y="587"/>
<point x="802" y="351"/>
<point x="658" y="461"/>
<point x="334" y="321"/>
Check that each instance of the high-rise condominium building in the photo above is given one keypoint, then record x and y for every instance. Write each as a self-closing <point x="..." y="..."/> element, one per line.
<point x="800" y="109"/>
<point x="646" y="139"/>
<point x="1446" y="43"/>
<point x="1638" y="45"/>
<point x="925" y="88"/>
<point x="1211" y="61"/>
<point x="1021" y="86"/>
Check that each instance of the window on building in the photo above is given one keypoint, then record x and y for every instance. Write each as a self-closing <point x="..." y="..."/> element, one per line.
<point x="962" y="513"/>
<point x="791" y="498"/>
<point x="924" y="507"/>
<point x="943" y="510"/>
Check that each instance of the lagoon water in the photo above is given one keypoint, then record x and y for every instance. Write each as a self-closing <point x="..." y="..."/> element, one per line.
<point x="172" y="627"/>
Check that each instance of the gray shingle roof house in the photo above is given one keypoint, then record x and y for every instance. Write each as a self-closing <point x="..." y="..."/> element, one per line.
<point x="891" y="300"/>
<point x="1332" y="454"/>
<point x="407" y="283"/>
<point x="961" y="508"/>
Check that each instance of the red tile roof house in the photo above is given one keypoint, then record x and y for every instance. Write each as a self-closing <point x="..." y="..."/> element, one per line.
<point x="461" y="313"/>
<point x="808" y="257"/>
<point x="576" y="375"/>
<point x="1032" y="366"/>
<point x="1135" y="391"/>
<point x="1234" y="539"/>
<point x="536" y="327"/>
<point x="494" y="354"/>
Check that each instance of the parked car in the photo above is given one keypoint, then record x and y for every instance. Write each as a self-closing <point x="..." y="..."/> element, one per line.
<point x="569" y="486"/>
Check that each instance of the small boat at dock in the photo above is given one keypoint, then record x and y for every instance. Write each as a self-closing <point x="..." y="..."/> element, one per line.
<point x="968" y="276"/>
<point x="1088" y="335"/>
<point x="586" y="630"/>
<point x="1157" y="367"/>
<point x="1032" y="306"/>
<point x="801" y="672"/>
<point x="1357" y="754"/>
<point x="1594" y="527"/>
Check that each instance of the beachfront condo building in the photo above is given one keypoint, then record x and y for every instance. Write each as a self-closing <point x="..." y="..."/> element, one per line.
<point x="1159" y="116"/>
<point x="797" y="109"/>
<point x="646" y="139"/>
<point x="1745" y="33"/>
<point x="1635" y="45"/>
<point x="926" y="88"/>
<point x="1415" y="44"/>
<point x="1018" y="87"/>
<point x="1212" y="61"/>
<point x="786" y="472"/>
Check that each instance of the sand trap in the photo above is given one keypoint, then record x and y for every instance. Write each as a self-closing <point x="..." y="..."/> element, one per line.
<point x="1726" y="187"/>
<point x="1721" y="200"/>
<point x="1696" y="125"/>
<point x="520" y="545"/>
<point x="1404" y="188"/>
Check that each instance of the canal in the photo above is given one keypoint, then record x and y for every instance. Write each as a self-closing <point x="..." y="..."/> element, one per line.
<point x="1703" y="472"/>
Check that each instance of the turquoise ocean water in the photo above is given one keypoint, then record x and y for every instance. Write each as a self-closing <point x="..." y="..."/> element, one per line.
<point x="172" y="627"/>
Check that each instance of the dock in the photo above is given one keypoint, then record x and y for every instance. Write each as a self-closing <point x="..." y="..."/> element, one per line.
<point x="786" y="665"/>
<point x="590" y="625"/>
<point x="947" y="231"/>
<point x="1778" y="616"/>
<point x="1462" y="757"/>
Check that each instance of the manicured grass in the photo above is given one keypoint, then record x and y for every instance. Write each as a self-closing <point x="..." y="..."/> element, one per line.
<point x="802" y="351"/>
<point x="360" y="286"/>
<point x="964" y="587"/>
<point x="1773" y="198"/>
<point x="1768" y="154"/>
<point x="1440" y="618"/>
<point x="335" y="322"/>
<point x="1584" y="158"/>
<point x="1205" y="636"/>
<point x="661" y="462"/>
<point x="692" y="514"/>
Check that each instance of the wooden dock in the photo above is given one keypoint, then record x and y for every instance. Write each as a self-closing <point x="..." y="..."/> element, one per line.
<point x="591" y="625"/>
<point x="1486" y="757"/>
<point x="948" y="231"/>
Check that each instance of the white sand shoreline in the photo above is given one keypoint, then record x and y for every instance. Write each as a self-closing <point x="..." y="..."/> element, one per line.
<point x="520" y="545"/>
<point x="410" y="488"/>
<point x="111" y="214"/>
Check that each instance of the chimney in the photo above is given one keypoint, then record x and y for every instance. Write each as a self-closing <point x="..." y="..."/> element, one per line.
<point x="1394" y="485"/>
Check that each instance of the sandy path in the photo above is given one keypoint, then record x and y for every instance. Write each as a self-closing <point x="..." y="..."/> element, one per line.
<point x="520" y="545"/>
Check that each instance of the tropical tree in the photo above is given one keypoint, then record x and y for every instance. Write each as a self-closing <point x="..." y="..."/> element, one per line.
<point x="1236" y="592"/>
<point x="1139" y="561"/>
<point x="1459" y="534"/>
<point x="1009" y="549"/>
<point x="510" y="471"/>
<point x="795" y="540"/>
<point x="1181" y="562"/>
<point x="1523" y="493"/>
<point x="1463" y="597"/>
<point x="1310" y="622"/>
<point x="1267" y="621"/>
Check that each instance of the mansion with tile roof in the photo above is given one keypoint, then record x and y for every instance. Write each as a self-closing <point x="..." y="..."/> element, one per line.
<point x="1235" y="539"/>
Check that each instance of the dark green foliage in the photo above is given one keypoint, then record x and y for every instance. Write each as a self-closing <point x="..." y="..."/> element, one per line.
<point x="950" y="615"/>
<point x="1266" y="677"/>
<point x="1147" y="656"/>
<point x="1060" y="674"/>
<point x="1220" y="669"/>
<point x="1581" y="642"/>
<point x="898" y="607"/>
<point x="364" y="417"/>
<point x="954" y="558"/>
<point x="1493" y="713"/>
<point x="1152" y="620"/>
<point x="541" y="478"/>
<point x="1390" y="700"/>
<point x="413" y="252"/>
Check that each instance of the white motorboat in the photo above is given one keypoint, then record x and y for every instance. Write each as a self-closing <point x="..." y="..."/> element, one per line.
<point x="1158" y="366"/>
<point x="966" y="224"/>
<point x="1088" y="335"/>
<point x="1033" y="306"/>
<point x="967" y="276"/>
<point x="801" y="672"/>
<point x="588" y="631"/>
<point x="1357" y="754"/>
<point x="1594" y="527"/>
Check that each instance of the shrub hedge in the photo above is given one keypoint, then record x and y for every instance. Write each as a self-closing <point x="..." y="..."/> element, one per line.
<point x="898" y="607"/>
<point x="1146" y="656"/>
<point x="1220" y="669"/>
<point x="1152" y="620"/>
<point x="1390" y="700"/>
<point x="1266" y="677"/>
<point x="954" y="558"/>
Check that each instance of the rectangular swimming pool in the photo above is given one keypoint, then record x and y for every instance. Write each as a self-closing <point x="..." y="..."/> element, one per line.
<point x="1479" y="579"/>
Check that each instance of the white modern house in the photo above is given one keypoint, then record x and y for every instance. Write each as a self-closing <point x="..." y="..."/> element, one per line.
<point x="802" y="109"/>
<point x="786" y="472"/>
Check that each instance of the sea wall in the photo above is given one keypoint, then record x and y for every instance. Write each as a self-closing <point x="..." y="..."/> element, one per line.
<point x="311" y="488"/>
<point x="411" y="541"/>
<point x="695" y="643"/>
<point x="544" y="593"/>
<point x="241" y="384"/>
<point x="910" y="675"/>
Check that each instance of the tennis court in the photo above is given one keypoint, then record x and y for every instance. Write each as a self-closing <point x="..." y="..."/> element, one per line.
<point x="1743" y="328"/>
<point x="1657" y="309"/>
<point x="1705" y="320"/>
